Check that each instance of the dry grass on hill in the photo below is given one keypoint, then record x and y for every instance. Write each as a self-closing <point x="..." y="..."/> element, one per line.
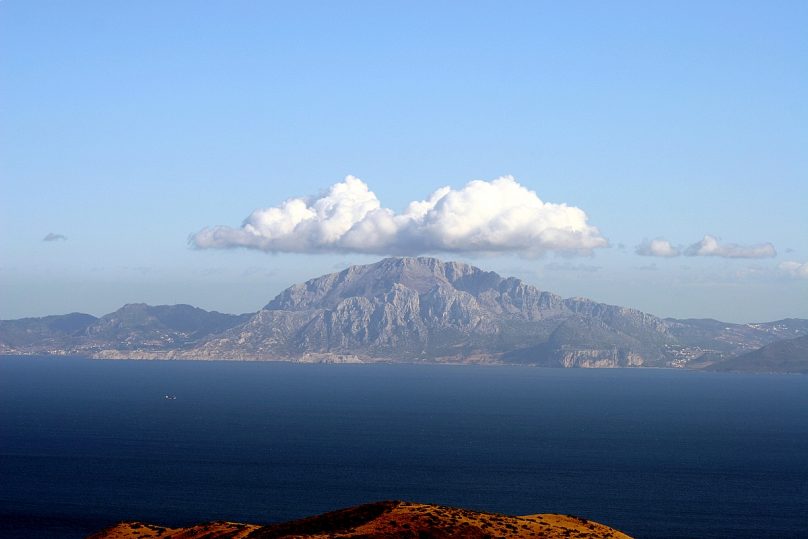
<point x="385" y="520"/>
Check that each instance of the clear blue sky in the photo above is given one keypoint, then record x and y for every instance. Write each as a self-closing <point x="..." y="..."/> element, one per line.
<point x="127" y="126"/>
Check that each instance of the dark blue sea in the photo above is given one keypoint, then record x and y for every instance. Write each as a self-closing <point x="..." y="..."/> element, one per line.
<point x="655" y="453"/>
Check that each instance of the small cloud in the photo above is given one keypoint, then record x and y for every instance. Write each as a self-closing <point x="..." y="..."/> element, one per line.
<point x="481" y="217"/>
<point x="261" y="271"/>
<point x="789" y="250"/>
<point x="54" y="237"/>
<point x="795" y="269"/>
<point x="658" y="247"/>
<point x="648" y="267"/>
<point x="139" y="270"/>
<point x="554" y="266"/>
<point x="710" y="246"/>
<point x="751" y="272"/>
<point x="210" y="271"/>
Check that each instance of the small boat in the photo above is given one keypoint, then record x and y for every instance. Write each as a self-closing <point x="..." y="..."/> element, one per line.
<point x="171" y="397"/>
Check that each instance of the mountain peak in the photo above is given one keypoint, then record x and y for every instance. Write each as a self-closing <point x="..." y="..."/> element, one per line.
<point x="420" y="274"/>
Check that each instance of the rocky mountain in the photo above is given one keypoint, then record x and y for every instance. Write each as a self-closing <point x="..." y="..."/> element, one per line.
<point x="384" y="520"/>
<point x="403" y="309"/>
<point x="418" y="309"/>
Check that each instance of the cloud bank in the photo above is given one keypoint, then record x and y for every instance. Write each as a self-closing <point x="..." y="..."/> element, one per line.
<point x="795" y="269"/>
<point x="708" y="246"/>
<point x="54" y="237"/>
<point x="496" y="216"/>
<point x="657" y="247"/>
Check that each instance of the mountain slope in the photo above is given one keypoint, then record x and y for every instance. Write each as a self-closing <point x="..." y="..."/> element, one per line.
<point x="46" y="333"/>
<point x="135" y="326"/>
<point x="386" y="520"/>
<point x="790" y="355"/>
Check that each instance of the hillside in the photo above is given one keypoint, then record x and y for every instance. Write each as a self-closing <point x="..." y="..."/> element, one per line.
<point x="789" y="356"/>
<point x="135" y="326"/>
<point x="385" y="520"/>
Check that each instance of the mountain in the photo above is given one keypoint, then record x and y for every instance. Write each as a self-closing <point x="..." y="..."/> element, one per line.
<point x="403" y="309"/>
<point x="721" y="337"/>
<point x="782" y="356"/>
<point x="417" y="309"/>
<point x="48" y="333"/>
<point x="134" y="326"/>
<point x="385" y="520"/>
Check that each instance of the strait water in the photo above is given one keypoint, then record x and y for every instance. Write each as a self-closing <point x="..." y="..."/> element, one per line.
<point x="655" y="453"/>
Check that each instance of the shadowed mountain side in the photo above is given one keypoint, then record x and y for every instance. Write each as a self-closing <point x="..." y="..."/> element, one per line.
<point x="133" y="326"/>
<point x="783" y="356"/>
<point x="724" y="337"/>
<point x="45" y="332"/>
<point x="392" y="519"/>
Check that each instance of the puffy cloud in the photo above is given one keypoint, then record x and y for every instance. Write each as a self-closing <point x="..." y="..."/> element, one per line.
<point x="710" y="246"/>
<point x="54" y="237"/>
<point x="496" y="216"/>
<point x="657" y="247"/>
<point x="795" y="269"/>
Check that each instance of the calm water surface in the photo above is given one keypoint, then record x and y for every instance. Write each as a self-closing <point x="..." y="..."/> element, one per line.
<point x="656" y="453"/>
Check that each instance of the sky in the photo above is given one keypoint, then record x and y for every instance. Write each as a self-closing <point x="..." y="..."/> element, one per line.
<point x="645" y="154"/>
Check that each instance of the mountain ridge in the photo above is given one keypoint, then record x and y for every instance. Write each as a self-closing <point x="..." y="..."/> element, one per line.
<point x="403" y="309"/>
<point x="786" y="356"/>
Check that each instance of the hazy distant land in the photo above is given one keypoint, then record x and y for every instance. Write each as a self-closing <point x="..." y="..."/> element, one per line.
<point x="418" y="310"/>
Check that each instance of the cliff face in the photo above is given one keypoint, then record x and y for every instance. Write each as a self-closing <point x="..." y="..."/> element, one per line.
<point x="402" y="309"/>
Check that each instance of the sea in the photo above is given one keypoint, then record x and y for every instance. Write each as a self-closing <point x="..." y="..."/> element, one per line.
<point x="655" y="453"/>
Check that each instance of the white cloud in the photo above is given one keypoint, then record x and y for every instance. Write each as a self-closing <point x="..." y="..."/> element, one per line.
<point x="54" y="237"/>
<point x="795" y="269"/>
<point x="496" y="216"/>
<point x="710" y="246"/>
<point x="657" y="247"/>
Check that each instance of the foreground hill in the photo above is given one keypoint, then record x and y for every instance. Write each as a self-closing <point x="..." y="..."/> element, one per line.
<point x="385" y="520"/>
<point x="783" y="356"/>
<point x="403" y="309"/>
